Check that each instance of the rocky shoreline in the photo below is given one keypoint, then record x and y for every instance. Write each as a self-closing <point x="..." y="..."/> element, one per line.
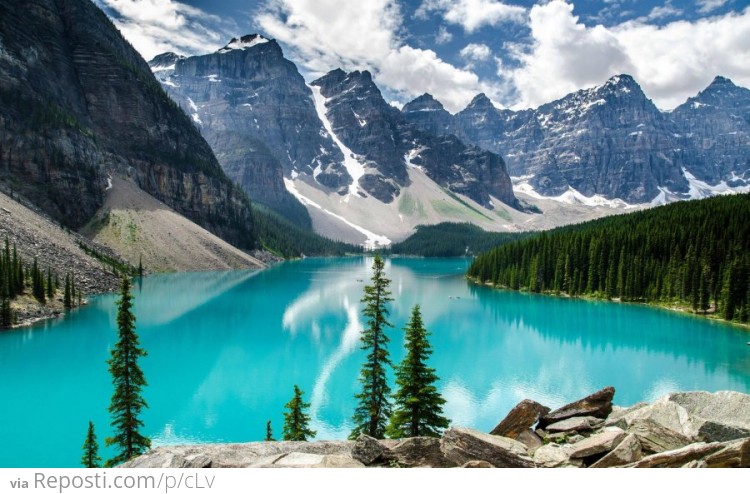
<point x="690" y="430"/>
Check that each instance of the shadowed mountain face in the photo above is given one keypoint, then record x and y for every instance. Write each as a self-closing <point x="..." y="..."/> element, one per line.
<point x="717" y="124"/>
<point x="610" y="140"/>
<point x="264" y="123"/>
<point x="78" y="104"/>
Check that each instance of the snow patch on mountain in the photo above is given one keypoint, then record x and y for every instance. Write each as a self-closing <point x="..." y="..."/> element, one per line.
<point x="700" y="189"/>
<point x="374" y="241"/>
<point x="244" y="43"/>
<point x="570" y="196"/>
<point x="354" y="168"/>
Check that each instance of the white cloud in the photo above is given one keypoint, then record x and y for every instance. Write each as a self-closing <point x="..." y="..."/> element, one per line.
<point x="476" y="51"/>
<point x="326" y="34"/>
<point x="671" y="62"/>
<point x="443" y="36"/>
<point x="706" y="6"/>
<point x="156" y="26"/>
<point x="473" y="14"/>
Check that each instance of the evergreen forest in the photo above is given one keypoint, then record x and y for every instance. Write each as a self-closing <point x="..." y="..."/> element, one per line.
<point x="694" y="254"/>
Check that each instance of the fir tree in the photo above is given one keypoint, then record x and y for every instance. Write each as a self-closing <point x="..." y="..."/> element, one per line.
<point x="90" y="458"/>
<point x="296" y="421"/>
<point x="67" y="295"/>
<point x="6" y="313"/>
<point x="418" y="404"/>
<point x="127" y="402"/>
<point x="269" y="432"/>
<point x="50" y="286"/>
<point x="372" y="413"/>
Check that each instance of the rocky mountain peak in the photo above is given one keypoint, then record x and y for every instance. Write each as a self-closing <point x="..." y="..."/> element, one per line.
<point x="481" y="102"/>
<point x="245" y="42"/>
<point x="164" y="60"/>
<point x="426" y="102"/>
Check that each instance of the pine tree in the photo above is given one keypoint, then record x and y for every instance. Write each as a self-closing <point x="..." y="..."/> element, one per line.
<point x="127" y="402"/>
<point x="50" y="286"/>
<point x="269" y="432"/>
<point x="418" y="403"/>
<point x="372" y="413"/>
<point x="296" y="421"/>
<point x="6" y="313"/>
<point x="67" y="296"/>
<point x="90" y="458"/>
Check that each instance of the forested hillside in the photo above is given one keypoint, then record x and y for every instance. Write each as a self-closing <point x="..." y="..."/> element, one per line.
<point x="695" y="254"/>
<point x="452" y="240"/>
<point x="282" y="237"/>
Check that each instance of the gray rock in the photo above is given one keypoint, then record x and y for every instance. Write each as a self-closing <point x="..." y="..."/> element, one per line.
<point x="460" y="445"/>
<point x="477" y="464"/>
<point x="309" y="460"/>
<point x="555" y="456"/>
<point x="419" y="452"/>
<point x="575" y="424"/>
<point x="602" y="442"/>
<point x="368" y="450"/>
<point x="597" y="405"/>
<point x="628" y="451"/>
<point x="663" y="412"/>
<point x="720" y="416"/>
<point x="732" y="454"/>
<point x="655" y="438"/>
<point x="521" y="418"/>
<point x="531" y="440"/>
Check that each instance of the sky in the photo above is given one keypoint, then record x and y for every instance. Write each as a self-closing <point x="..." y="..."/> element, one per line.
<point x="519" y="53"/>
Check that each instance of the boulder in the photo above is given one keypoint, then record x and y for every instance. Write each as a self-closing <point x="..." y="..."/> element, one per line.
<point x="655" y="438"/>
<point x="663" y="412"/>
<point x="575" y="424"/>
<point x="477" y="464"/>
<point x="419" y="452"/>
<point x="733" y="454"/>
<point x="728" y="408"/>
<point x="597" y="405"/>
<point x="618" y="412"/>
<point x="628" y="451"/>
<point x="531" y="440"/>
<point x="460" y="445"/>
<point x="309" y="460"/>
<point x="555" y="456"/>
<point x="368" y="450"/>
<point x="713" y="455"/>
<point x="602" y="442"/>
<point x="522" y="417"/>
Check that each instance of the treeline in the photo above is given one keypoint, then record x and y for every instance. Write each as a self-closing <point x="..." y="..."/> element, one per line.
<point x="693" y="253"/>
<point x="19" y="278"/>
<point x="452" y="240"/>
<point x="280" y="236"/>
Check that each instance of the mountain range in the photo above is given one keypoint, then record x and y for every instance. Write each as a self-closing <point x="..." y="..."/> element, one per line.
<point x="353" y="159"/>
<point x="82" y="113"/>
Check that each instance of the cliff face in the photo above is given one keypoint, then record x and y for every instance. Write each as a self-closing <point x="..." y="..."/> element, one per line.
<point x="716" y="123"/>
<point x="384" y="144"/>
<point x="255" y="110"/>
<point x="610" y="140"/>
<point x="79" y="103"/>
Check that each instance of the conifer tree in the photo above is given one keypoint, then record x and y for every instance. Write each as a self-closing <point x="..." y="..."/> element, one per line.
<point x="372" y="412"/>
<point x="90" y="458"/>
<point x="296" y="421"/>
<point x="127" y="401"/>
<point x="50" y="286"/>
<point x="418" y="403"/>
<point x="67" y="296"/>
<point x="6" y="314"/>
<point x="269" y="432"/>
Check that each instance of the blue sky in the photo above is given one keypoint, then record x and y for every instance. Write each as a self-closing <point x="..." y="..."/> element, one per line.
<point x="520" y="53"/>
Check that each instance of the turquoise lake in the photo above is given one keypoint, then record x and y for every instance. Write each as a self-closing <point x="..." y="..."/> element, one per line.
<point x="225" y="350"/>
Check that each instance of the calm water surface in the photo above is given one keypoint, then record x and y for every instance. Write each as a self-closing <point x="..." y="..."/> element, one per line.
<point x="225" y="350"/>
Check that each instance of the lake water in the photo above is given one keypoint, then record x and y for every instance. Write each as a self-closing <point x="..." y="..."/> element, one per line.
<point x="225" y="350"/>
